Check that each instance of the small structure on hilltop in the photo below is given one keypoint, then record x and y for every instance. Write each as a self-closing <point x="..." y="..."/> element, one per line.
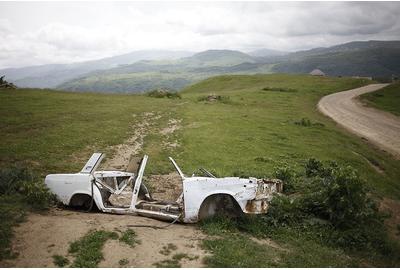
<point x="317" y="72"/>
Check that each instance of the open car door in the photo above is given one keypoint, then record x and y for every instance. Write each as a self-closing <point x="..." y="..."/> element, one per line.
<point x="92" y="164"/>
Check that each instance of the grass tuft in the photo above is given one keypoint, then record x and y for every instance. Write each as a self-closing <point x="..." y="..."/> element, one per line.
<point x="60" y="261"/>
<point x="123" y="262"/>
<point x="129" y="237"/>
<point x="87" y="250"/>
<point x="166" y="250"/>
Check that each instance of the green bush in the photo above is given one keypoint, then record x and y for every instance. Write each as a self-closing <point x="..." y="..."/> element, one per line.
<point x="163" y="94"/>
<point x="305" y="122"/>
<point x="20" y="180"/>
<point x="37" y="194"/>
<point x="287" y="175"/>
<point x="12" y="178"/>
<point x="335" y="199"/>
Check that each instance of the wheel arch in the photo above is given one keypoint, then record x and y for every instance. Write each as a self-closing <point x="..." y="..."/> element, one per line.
<point x="219" y="203"/>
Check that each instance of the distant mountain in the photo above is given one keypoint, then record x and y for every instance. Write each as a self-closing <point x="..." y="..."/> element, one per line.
<point x="174" y="74"/>
<point x="218" y="58"/>
<point x="145" y="70"/>
<point x="369" y="58"/>
<point x="266" y="53"/>
<point x="49" y="76"/>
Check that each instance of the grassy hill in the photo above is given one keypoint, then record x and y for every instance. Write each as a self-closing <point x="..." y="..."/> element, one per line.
<point x="369" y="58"/>
<point x="387" y="99"/>
<point x="147" y="75"/>
<point x="142" y="71"/>
<point x="257" y="124"/>
<point x="49" y="76"/>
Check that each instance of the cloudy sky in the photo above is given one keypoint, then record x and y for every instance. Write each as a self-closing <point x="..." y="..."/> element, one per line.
<point x="33" y="33"/>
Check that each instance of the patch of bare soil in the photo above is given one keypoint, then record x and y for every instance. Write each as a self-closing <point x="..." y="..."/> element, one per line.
<point x="165" y="187"/>
<point x="42" y="236"/>
<point x="132" y="145"/>
<point x="173" y="125"/>
<point x="392" y="223"/>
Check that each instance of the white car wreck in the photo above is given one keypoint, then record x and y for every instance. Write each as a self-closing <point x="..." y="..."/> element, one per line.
<point x="202" y="196"/>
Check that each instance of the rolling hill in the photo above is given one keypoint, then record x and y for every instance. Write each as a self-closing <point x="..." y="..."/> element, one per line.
<point x="146" y="70"/>
<point x="371" y="58"/>
<point x="50" y="76"/>
<point x="175" y="74"/>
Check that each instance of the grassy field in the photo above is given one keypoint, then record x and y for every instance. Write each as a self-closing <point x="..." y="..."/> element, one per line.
<point x="387" y="99"/>
<point x="256" y="124"/>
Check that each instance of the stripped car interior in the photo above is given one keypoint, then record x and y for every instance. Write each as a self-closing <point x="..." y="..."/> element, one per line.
<point x="202" y="197"/>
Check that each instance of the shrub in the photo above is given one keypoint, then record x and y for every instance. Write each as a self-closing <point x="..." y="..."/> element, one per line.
<point x="339" y="195"/>
<point x="21" y="180"/>
<point x="335" y="199"/>
<point x="37" y="194"/>
<point x="287" y="175"/>
<point x="60" y="261"/>
<point x="284" y="211"/>
<point x="305" y="122"/>
<point x="163" y="94"/>
<point x="11" y="179"/>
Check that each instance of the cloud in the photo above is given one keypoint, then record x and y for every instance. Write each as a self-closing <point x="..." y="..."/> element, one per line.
<point x="40" y="33"/>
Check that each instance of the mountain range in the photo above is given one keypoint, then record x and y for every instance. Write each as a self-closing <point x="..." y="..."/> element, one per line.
<point x="145" y="70"/>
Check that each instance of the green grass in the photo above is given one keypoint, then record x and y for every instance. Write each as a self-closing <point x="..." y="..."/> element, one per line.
<point x="251" y="243"/>
<point x="387" y="99"/>
<point x="88" y="250"/>
<point x="257" y="132"/>
<point x="12" y="212"/>
<point x="60" y="261"/>
<point x="58" y="131"/>
<point x="129" y="237"/>
<point x="252" y="134"/>
<point x="174" y="262"/>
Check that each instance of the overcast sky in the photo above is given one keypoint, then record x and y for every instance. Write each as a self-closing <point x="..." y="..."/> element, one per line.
<point x="34" y="33"/>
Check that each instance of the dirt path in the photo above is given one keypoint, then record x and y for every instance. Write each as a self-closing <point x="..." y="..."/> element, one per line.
<point x="380" y="128"/>
<point x="42" y="236"/>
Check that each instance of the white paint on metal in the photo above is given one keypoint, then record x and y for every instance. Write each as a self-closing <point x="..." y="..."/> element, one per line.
<point x="251" y="194"/>
<point x="93" y="163"/>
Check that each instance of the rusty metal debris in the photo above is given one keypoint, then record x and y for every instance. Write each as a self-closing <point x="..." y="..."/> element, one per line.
<point x="124" y="193"/>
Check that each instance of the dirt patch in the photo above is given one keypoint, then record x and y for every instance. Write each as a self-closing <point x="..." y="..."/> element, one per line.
<point x="42" y="236"/>
<point x="392" y="207"/>
<point x="165" y="187"/>
<point x="132" y="145"/>
<point x="173" y="125"/>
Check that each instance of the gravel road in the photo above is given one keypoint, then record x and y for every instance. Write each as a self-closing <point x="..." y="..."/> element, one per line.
<point x="378" y="127"/>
